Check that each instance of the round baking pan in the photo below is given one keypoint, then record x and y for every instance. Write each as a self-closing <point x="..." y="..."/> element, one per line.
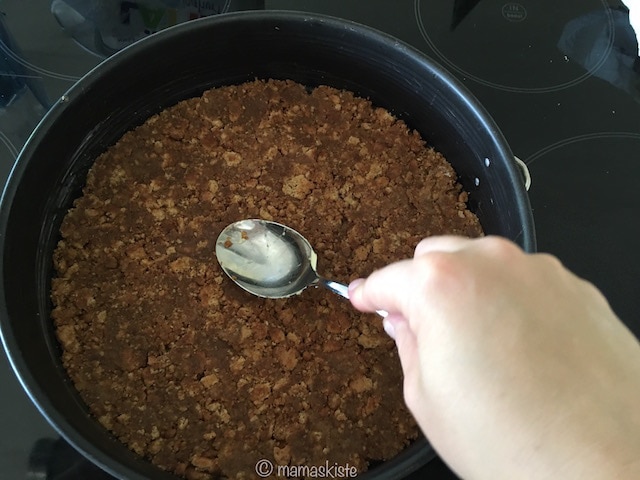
<point x="179" y="63"/>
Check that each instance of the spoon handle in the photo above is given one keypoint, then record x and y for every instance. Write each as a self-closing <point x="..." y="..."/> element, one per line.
<point x="343" y="291"/>
<point x="335" y="287"/>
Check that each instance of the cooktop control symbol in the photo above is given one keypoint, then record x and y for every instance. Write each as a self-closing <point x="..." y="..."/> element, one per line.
<point x="514" y="12"/>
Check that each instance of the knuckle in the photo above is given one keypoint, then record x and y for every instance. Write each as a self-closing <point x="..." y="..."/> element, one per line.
<point x="501" y="247"/>
<point x="551" y="261"/>
<point x="437" y="270"/>
<point x="592" y="292"/>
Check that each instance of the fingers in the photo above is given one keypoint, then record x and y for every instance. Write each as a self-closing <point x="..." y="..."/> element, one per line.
<point x="412" y="369"/>
<point x="390" y="286"/>
<point x="394" y="287"/>
<point x="443" y="243"/>
<point x="448" y="269"/>
<point x="407" y="347"/>
<point x="398" y="328"/>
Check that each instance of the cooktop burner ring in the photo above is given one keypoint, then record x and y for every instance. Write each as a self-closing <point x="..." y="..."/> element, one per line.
<point x="515" y="13"/>
<point x="580" y="138"/>
<point x="32" y="67"/>
<point x="13" y="151"/>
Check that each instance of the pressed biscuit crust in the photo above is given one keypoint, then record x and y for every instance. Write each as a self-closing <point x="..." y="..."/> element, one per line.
<point x="185" y="368"/>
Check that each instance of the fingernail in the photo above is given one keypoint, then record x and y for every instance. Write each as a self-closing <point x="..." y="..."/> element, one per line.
<point x="353" y="286"/>
<point x="388" y="327"/>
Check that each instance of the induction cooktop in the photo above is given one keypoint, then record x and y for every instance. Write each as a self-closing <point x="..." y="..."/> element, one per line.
<point x="561" y="79"/>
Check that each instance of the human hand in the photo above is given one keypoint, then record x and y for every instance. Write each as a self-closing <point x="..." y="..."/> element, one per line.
<point x="514" y="367"/>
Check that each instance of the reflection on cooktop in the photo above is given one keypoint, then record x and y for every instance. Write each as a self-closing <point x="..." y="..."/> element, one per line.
<point x="523" y="46"/>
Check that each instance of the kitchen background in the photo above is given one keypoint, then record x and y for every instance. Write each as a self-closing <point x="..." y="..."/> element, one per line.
<point x="561" y="79"/>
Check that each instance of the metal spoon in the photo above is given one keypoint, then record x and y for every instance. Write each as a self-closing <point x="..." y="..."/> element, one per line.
<point x="271" y="260"/>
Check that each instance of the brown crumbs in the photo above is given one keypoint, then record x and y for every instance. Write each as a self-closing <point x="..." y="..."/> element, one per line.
<point x="188" y="370"/>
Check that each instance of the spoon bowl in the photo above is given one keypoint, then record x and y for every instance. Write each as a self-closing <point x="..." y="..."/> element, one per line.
<point x="271" y="260"/>
<point x="267" y="258"/>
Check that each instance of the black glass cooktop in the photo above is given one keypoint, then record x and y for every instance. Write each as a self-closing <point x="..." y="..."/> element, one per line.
<point x="561" y="79"/>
